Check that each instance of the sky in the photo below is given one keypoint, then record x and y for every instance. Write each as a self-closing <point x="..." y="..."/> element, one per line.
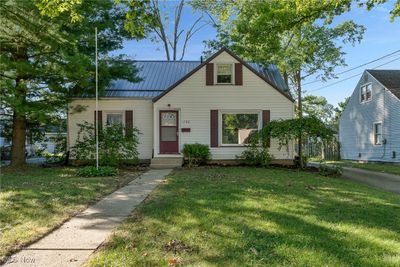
<point x="381" y="38"/>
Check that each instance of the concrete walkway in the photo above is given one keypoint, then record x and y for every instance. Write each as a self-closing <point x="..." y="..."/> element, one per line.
<point x="74" y="241"/>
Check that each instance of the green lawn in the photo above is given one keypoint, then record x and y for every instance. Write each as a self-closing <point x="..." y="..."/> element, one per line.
<point x="258" y="217"/>
<point x="35" y="200"/>
<point x="378" y="167"/>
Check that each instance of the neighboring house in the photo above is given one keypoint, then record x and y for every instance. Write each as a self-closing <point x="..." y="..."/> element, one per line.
<point x="217" y="102"/>
<point x="369" y="127"/>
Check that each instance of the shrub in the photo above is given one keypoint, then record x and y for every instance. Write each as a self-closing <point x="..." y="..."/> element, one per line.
<point x="116" y="144"/>
<point x="330" y="170"/>
<point x="255" y="155"/>
<point x="196" y="154"/>
<point x="91" y="171"/>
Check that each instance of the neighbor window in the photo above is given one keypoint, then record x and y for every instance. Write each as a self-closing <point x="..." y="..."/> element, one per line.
<point x="113" y="118"/>
<point x="224" y="73"/>
<point x="378" y="133"/>
<point x="366" y="92"/>
<point x="236" y="128"/>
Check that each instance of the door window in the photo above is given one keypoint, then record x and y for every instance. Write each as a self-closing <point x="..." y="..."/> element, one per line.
<point x="168" y="126"/>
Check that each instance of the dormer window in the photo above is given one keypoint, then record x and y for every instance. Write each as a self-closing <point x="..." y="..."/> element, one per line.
<point x="224" y="73"/>
<point x="366" y="92"/>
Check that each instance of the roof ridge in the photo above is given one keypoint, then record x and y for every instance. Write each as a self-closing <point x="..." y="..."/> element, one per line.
<point x="157" y="60"/>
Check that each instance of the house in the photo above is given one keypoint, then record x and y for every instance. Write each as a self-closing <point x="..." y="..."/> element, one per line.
<point x="186" y="102"/>
<point x="369" y="128"/>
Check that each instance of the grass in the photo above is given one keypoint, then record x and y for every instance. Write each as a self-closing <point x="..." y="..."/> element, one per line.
<point x="35" y="200"/>
<point x="378" y="167"/>
<point x="258" y="217"/>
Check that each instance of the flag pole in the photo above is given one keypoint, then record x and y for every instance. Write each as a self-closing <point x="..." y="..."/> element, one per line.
<point x="97" y="107"/>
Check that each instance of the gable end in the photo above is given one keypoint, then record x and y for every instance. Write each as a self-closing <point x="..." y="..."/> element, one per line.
<point x="208" y="61"/>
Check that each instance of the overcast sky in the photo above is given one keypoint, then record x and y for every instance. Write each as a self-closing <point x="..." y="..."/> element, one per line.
<point x="381" y="37"/>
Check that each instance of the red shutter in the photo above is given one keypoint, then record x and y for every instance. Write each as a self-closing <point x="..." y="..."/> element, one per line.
<point x="238" y="73"/>
<point x="99" y="120"/>
<point x="128" y="121"/>
<point x="210" y="74"/>
<point x="266" y="118"/>
<point x="214" y="128"/>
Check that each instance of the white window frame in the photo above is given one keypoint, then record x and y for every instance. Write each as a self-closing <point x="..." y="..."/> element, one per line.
<point x="365" y="86"/>
<point x="113" y="112"/>
<point x="236" y="111"/>
<point x="374" y="133"/>
<point x="232" y="75"/>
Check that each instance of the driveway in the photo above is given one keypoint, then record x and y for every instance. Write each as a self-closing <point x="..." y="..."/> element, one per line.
<point x="386" y="181"/>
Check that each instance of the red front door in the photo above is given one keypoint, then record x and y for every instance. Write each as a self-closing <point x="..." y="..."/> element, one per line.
<point x="169" y="130"/>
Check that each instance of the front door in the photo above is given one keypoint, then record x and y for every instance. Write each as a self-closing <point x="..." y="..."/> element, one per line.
<point x="169" y="132"/>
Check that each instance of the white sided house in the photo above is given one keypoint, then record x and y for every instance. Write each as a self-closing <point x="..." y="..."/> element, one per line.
<point x="369" y="128"/>
<point x="187" y="102"/>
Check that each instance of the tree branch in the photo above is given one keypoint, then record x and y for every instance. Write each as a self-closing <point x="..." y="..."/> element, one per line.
<point x="190" y="33"/>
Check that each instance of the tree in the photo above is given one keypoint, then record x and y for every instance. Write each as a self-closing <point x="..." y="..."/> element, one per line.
<point x="46" y="60"/>
<point x="138" y="14"/>
<point x="339" y="111"/>
<point x="318" y="106"/>
<point x="370" y="4"/>
<point x="175" y="43"/>
<point x="284" y="131"/>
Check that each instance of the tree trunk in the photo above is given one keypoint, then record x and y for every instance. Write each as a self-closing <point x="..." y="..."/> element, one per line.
<point x="19" y="116"/>
<point x="286" y="77"/>
<point x="300" y="115"/>
<point x="18" y="139"/>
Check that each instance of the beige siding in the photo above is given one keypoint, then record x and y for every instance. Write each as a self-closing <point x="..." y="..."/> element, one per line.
<point x="142" y="119"/>
<point x="194" y="100"/>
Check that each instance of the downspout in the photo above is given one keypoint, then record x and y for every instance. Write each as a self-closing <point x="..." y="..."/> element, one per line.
<point x="384" y="140"/>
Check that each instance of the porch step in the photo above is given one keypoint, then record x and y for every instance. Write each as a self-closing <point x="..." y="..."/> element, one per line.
<point x="166" y="162"/>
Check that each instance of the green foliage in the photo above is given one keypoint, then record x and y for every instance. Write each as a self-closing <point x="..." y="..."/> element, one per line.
<point x="92" y="171"/>
<point x="117" y="145"/>
<point x="60" y="149"/>
<point x="139" y="17"/>
<point x="318" y="106"/>
<point x="60" y="143"/>
<point x="288" y="130"/>
<point x="54" y="8"/>
<point x="138" y="13"/>
<point x="196" y="154"/>
<point x="339" y="111"/>
<point x="255" y="155"/>
<point x="370" y="4"/>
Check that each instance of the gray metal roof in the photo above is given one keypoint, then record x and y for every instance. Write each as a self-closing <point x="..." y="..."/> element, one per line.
<point x="272" y="74"/>
<point x="157" y="76"/>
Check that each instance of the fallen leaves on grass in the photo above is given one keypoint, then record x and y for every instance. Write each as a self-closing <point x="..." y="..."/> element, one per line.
<point x="178" y="246"/>
<point x="175" y="261"/>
